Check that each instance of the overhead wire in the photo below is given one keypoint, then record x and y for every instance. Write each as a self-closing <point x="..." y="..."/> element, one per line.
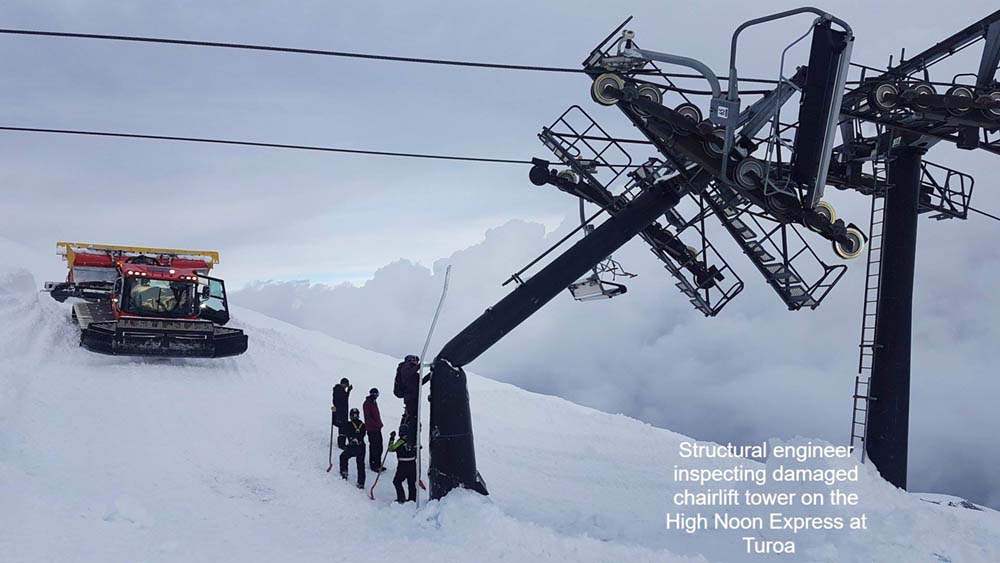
<point x="318" y="148"/>
<point x="218" y="141"/>
<point x="981" y="212"/>
<point x="342" y="54"/>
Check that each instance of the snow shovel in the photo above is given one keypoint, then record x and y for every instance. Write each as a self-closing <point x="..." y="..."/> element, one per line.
<point x="371" y="493"/>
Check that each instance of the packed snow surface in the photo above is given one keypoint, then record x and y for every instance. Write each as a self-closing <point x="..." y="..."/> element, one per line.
<point x="110" y="459"/>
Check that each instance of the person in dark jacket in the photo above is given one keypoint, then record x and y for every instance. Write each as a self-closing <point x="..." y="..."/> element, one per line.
<point x="373" y="424"/>
<point x="341" y="394"/>
<point x="406" y="463"/>
<point x="354" y="438"/>
<point x="407" y="385"/>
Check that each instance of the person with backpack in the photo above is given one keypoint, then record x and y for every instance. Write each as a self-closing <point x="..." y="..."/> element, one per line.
<point x="354" y="446"/>
<point x="373" y="424"/>
<point x="341" y="396"/>
<point x="407" y="383"/>
<point x="406" y="462"/>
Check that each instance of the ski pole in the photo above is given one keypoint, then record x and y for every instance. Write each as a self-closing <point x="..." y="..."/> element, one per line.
<point x="392" y="438"/>
<point x="333" y="421"/>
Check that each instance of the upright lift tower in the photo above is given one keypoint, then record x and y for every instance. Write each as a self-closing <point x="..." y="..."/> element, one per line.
<point x="910" y="118"/>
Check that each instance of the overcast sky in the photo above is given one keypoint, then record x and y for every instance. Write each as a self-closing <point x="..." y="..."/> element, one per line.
<point x="754" y="372"/>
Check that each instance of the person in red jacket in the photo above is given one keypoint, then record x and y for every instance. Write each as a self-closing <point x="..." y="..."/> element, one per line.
<point x="373" y="424"/>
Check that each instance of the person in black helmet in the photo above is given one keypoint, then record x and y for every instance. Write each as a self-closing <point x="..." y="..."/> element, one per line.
<point x="354" y="438"/>
<point x="341" y="394"/>
<point x="406" y="462"/>
<point x="373" y="424"/>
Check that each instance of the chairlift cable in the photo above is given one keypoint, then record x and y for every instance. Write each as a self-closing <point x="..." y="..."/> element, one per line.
<point x="216" y="141"/>
<point x="328" y="53"/>
<point x="990" y="215"/>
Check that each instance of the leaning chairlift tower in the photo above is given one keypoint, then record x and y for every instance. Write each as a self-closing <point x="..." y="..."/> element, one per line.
<point x="759" y="178"/>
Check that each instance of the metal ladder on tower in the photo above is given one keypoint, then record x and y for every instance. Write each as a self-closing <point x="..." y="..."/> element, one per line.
<point x="869" y="318"/>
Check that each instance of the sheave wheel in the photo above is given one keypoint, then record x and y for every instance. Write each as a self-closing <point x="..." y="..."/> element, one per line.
<point x="884" y="96"/>
<point x="651" y="93"/>
<point x="994" y="111"/>
<point x="603" y="81"/>
<point x="826" y="210"/>
<point x="748" y="172"/>
<point x="853" y="250"/>
<point x="923" y="89"/>
<point x="690" y="111"/>
<point x="959" y="92"/>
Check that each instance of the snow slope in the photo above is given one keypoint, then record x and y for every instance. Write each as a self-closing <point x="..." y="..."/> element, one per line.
<point x="113" y="459"/>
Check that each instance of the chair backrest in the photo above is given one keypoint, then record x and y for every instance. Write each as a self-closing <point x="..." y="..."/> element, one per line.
<point x="819" y="108"/>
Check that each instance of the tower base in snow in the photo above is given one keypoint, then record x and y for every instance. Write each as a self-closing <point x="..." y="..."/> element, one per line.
<point x="453" y="452"/>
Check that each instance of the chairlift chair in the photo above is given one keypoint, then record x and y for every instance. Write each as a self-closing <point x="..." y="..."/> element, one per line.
<point x="593" y="287"/>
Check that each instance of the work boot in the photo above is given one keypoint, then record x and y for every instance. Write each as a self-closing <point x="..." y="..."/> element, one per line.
<point x="361" y="485"/>
<point x="343" y="475"/>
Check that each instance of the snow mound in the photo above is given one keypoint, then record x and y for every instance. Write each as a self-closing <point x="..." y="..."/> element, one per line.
<point x="115" y="459"/>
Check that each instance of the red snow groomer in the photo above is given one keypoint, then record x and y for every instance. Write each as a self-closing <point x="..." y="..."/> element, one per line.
<point x="147" y="301"/>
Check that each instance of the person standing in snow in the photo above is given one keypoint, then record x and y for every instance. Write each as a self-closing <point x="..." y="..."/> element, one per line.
<point x="354" y="438"/>
<point x="373" y="424"/>
<point x="407" y="384"/>
<point x="406" y="464"/>
<point x="341" y="395"/>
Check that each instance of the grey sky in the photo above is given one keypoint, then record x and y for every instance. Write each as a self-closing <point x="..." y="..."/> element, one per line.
<point x="281" y="215"/>
<point x="290" y="215"/>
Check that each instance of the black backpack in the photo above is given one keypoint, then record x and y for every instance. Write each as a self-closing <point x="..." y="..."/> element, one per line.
<point x="398" y="388"/>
